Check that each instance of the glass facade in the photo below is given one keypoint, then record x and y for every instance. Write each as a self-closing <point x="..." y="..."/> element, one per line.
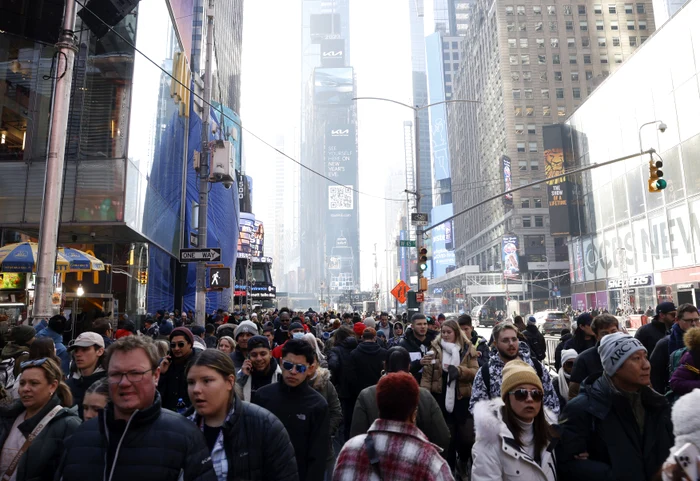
<point x="652" y="239"/>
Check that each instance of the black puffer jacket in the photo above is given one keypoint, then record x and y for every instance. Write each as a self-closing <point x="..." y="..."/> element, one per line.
<point x="338" y="359"/>
<point x="78" y="385"/>
<point x="600" y="422"/>
<point x="257" y="445"/>
<point x="42" y="458"/>
<point x="154" y="444"/>
<point x="365" y="366"/>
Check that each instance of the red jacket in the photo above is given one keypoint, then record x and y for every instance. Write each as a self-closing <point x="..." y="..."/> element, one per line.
<point x="277" y="352"/>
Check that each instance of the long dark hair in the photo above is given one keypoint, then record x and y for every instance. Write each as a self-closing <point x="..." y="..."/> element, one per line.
<point x="397" y="360"/>
<point x="543" y="432"/>
<point x="342" y="333"/>
<point x="43" y="347"/>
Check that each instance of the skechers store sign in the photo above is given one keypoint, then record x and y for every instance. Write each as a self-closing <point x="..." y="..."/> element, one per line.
<point x="636" y="281"/>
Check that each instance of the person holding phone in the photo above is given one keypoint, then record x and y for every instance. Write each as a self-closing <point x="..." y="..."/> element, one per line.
<point x="683" y="463"/>
<point x="172" y="384"/>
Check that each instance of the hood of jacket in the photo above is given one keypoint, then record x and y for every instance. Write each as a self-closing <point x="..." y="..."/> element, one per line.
<point x="13" y="350"/>
<point x="410" y="337"/>
<point x="323" y="377"/>
<point x="369" y="348"/>
<point x="488" y="421"/>
<point x="350" y="343"/>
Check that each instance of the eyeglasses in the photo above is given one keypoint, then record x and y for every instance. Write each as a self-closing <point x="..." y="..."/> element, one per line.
<point x="300" y="368"/>
<point x="131" y="376"/>
<point x="33" y="363"/>
<point x="177" y="344"/>
<point x="522" y="394"/>
<point x="694" y="320"/>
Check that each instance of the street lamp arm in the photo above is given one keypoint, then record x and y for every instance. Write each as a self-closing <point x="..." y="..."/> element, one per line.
<point x="450" y="102"/>
<point x="386" y="100"/>
<point x="644" y="125"/>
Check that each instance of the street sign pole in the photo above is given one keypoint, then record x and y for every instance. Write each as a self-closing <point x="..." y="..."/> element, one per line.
<point x="419" y="232"/>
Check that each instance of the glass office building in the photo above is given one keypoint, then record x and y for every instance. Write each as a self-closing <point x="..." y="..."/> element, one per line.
<point x="630" y="239"/>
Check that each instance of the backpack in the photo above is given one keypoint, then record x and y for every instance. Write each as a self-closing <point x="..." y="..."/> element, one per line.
<point x="674" y="363"/>
<point x="7" y="376"/>
<point x="486" y="374"/>
<point x="538" y="348"/>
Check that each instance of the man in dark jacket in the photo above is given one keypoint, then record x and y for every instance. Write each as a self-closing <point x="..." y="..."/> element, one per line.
<point x="302" y="410"/>
<point x="650" y="334"/>
<point x="172" y="384"/>
<point x="480" y="343"/>
<point x="281" y="334"/>
<point x="366" y="363"/>
<point x="617" y="428"/>
<point x="417" y="342"/>
<point x="535" y="339"/>
<point x="564" y="337"/>
<point x="338" y="360"/>
<point x="588" y="362"/>
<point x="134" y="437"/>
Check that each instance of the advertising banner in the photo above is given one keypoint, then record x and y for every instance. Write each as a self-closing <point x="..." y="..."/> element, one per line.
<point x="324" y="25"/>
<point x="333" y="86"/>
<point x="509" y="255"/>
<point x="507" y="180"/>
<point x="563" y="211"/>
<point x="438" y="113"/>
<point x="333" y="52"/>
<point x="578" y="302"/>
<point x="251" y="236"/>
<point x="441" y="257"/>
<point x="404" y="257"/>
<point x="245" y="192"/>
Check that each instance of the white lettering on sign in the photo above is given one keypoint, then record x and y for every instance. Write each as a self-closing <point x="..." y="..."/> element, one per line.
<point x="632" y="282"/>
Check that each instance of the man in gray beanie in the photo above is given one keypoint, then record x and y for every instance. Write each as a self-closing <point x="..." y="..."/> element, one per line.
<point x="244" y="331"/>
<point x="617" y="428"/>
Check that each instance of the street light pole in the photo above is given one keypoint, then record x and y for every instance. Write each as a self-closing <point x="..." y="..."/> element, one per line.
<point x="53" y="180"/>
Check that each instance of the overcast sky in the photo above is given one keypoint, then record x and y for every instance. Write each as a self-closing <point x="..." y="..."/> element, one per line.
<point x="380" y="54"/>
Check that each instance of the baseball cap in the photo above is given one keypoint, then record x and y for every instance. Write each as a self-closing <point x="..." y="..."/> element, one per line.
<point x="87" y="339"/>
<point x="666" y="307"/>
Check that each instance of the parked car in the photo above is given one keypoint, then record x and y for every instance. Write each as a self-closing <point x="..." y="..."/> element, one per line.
<point x="552" y="322"/>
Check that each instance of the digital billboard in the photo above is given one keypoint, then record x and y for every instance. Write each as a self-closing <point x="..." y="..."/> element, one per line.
<point x="251" y="236"/>
<point x="507" y="180"/>
<point x="333" y="86"/>
<point x="562" y="203"/>
<point x="509" y="255"/>
<point x="438" y="113"/>
<point x="442" y="258"/>
<point x="333" y="52"/>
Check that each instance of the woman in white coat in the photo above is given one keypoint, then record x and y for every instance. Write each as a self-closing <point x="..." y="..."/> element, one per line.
<point x="513" y="439"/>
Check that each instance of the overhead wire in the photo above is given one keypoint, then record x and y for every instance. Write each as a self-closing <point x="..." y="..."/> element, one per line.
<point x="223" y="114"/>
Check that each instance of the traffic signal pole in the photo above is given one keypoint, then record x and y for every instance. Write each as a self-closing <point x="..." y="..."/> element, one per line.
<point x="419" y="232"/>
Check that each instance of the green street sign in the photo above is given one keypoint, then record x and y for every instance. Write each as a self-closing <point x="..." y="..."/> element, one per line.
<point x="407" y="243"/>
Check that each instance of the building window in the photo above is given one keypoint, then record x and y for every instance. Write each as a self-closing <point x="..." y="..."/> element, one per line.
<point x="543" y="76"/>
<point x="455" y="45"/>
<point x="446" y="55"/>
<point x="522" y="27"/>
<point x="640" y="8"/>
<point x="541" y="59"/>
<point x="585" y="42"/>
<point x="532" y="146"/>
<point x="604" y="58"/>
<point x="540" y="42"/>
<point x="455" y="66"/>
<point x="551" y="10"/>
<point x="642" y="24"/>
<point x="510" y="26"/>
<point x="557" y="76"/>
<point x="629" y="8"/>
<point x="534" y="165"/>
<point x="523" y="43"/>
<point x="521" y="9"/>
<point x="614" y="25"/>
<point x="553" y="26"/>
<point x="643" y="39"/>
<point x="529" y="111"/>
<point x="599" y="25"/>
<point x="455" y="55"/>
<point x="527" y="221"/>
<point x="522" y="165"/>
<point x="598" y="9"/>
<point x="516" y="94"/>
<point x="574" y="76"/>
<point x="556" y="59"/>
<point x="538" y="26"/>
<point x="546" y="111"/>
<point x="581" y="9"/>
<point x="525" y="203"/>
<point x="515" y="76"/>
<point x="572" y="59"/>
<point x="587" y="59"/>
<point x="525" y="59"/>
<point x="633" y="41"/>
<point x="569" y="25"/>
<point x="560" y="93"/>
<point x="561" y="111"/>
<point x="601" y="41"/>
<point x="448" y="78"/>
<point x="618" y="58"/>
<point x="513" y="60"/>
<point x="616" y="41"/>
<point x="589" y="74"/>
<point x="531" y="128"/>
<point x="509" y="10"/>
<point x="527" y="76"/>
<point x="571" y="42"/>
<point x="577" y="93"/>
<point x="519" y="129"/>
<point x="537" y="9"/>
<point x="512" y="42"/>
<point x="521" y="146"/>
<point x="447" y="67"/>
<point x="518" y="111"/>
<point x="630" y="24"/>
<point x="545" y="93"/>
<point x="612" y="8"/>
<point x="567" y="9"/>
<point x="554" y="42"/>
<point x="537" y="202"/>
<point x="539" y="221"/>
<point x="583" y="25"/>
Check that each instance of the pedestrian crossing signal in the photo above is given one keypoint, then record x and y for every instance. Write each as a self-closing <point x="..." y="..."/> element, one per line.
<point x="219" y="278"/>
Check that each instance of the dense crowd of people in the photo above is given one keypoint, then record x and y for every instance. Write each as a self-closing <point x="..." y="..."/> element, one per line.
<point x="284" y="395"/>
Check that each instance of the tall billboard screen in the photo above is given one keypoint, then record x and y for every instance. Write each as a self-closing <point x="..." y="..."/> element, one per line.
<point x="509" y="253"/>
<point x="341" y="225"/>
<point x="251" y="236"/>
<point x="438" y="113"/>
<point x="561" y="199"/>
<point x="333" y="86"/>
<point x="507" y="180"/>
<point x="442" y="257"/>
<point x="333" y="52"/>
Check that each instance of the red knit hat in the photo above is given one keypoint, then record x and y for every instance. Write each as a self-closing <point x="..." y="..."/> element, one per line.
<point x="359" y="328"/>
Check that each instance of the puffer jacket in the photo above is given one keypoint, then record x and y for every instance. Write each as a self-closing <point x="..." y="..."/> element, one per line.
<point x="600" y="422"/>
<point x="338" y="359"/>
<point x="155" y="444"/>
<point x="432" y="374"/>
<point x="42" y="458"/>
<point x="323" y="385"/>
<point x="497" y="457"/>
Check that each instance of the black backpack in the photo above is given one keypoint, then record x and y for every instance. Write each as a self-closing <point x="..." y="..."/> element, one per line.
<point x="537" y="346"/>
<point x="486" y="374"/>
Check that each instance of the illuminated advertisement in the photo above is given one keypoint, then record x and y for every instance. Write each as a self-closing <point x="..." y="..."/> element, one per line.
<point x="12" y="280"/>
<point x="441" y="257"/>
<point x="333" y="86"/>
<point x="507" y="180"/>
<point x="509" y="253"/>
<point x="251" y="236"/>
<point x="563" y="212"/>
<point x="404" y="258"/>
<point x="438" y="113"/>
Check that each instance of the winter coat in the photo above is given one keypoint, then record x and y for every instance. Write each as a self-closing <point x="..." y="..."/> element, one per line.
<point x="323" y="385"/>
<point x="586" y="364"/>
<point x="414" y="346"/>
<point x="256" y="446"/>
<point x="496" y="455"/>
<point x="495" y="367"/>
<point x="246" y="382"/>
<point x="17" y="352"/>
<point x="304" y="413"/>
<point x="429" y="420"/>
<point x="338" y="359"/>
<point x="155" y="444"/>
<point x="650" y="334"/>
<point x="238" y="358"/>
<point x="172" y="384"/>
<point x="61" y="351"/>
<point x="559" y="349"/>
<point x="600" y="421"/>
<point x="686" y="377"/>
<point x="42" y="458"/>
<point x="579" y="343"/>
<point x="482" y="346"/>
<point x="365" y="366"/>
<point x="535" y="339"/>
<point x="659" y="366"/>
<point x="433" y="374"/>
<point x="78" y="385"/>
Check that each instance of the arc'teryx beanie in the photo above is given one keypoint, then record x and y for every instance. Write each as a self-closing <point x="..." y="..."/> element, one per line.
<point x="615" y="349"/>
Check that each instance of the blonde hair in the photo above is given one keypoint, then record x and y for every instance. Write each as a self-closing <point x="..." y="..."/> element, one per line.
<point x="460" y="337"/>
<point x="229" y="339"/>
<point x="52" y="372"/>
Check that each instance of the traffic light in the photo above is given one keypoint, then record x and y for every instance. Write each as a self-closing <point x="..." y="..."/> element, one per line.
<point x="656" y="181"/>
<point x="143" y="277"/>
<point x="423" y="259"/>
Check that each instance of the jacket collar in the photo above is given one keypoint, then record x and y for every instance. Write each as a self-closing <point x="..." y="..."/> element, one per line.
<point x="602" y="395"/>
<point x="138" y="418"/>
<point x="402" y="428"/>
<point x="28" y="425"/>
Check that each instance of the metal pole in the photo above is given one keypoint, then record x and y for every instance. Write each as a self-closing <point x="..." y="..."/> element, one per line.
<point x="419" y="233"/>
<point x="201" y="293"/>
<point x="53" y="180"/>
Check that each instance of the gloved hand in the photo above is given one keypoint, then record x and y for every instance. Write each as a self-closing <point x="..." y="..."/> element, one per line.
<point x="452" y="373"/>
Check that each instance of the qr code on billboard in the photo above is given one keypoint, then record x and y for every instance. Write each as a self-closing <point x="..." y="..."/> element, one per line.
<point x="340" y="197"/>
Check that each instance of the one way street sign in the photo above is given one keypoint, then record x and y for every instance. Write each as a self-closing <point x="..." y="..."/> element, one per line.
<point x="197" y="255"/>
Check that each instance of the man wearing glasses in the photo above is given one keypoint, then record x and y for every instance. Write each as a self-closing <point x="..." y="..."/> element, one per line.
<point x="133" y="437"/>
<point x="302" y="410"/>
<point x="173" y="380"/>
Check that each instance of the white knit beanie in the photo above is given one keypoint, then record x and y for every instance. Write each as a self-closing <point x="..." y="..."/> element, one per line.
<point x="686" y="422"/>
<point x="568" y="355"/>
<point x="370" y="322"/>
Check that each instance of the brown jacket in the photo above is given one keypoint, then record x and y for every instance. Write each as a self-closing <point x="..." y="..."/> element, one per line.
<point x="432" y="374"/>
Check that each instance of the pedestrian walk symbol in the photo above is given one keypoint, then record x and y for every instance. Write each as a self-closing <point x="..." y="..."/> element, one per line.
<point x="219" y="278"/>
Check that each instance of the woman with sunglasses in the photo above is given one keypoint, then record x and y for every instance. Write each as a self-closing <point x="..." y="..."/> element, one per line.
<point x="42" y="410"/>
<point x="513" y="438"/>
<point x="245" y="440"/>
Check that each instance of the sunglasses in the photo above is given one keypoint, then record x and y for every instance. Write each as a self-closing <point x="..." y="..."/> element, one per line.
<point x="288" y="366"/>
<point x="33" y="363"/>
<point x="522" y="394"/>
<point x="178" y="344"/>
